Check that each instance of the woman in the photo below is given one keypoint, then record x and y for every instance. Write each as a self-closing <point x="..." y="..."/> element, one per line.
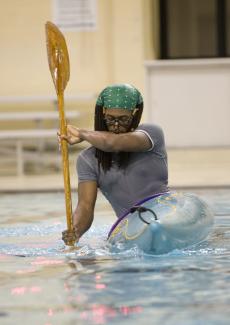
<point x="126" y="161"/>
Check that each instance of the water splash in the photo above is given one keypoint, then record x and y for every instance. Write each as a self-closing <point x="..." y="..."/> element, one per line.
<point x="34" y="230"/>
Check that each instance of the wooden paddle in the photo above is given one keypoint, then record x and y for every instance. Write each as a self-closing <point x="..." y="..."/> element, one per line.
<point x="58" y="59"/>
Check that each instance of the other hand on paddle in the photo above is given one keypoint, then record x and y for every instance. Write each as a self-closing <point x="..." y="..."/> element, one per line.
<point x="72" y="137"/>
<point x="70" y="236"/>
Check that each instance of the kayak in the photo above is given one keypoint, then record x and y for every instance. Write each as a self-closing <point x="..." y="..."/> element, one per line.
<point x="162" y="223"/>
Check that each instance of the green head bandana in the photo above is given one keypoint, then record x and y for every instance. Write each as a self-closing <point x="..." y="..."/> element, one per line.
<point x="120" y="96"/>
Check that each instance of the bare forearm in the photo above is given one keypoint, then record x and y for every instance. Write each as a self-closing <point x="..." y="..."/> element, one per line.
<point x="109" y="141"/>
<point x="82" y="219"/>
<point x="102" y="140"/>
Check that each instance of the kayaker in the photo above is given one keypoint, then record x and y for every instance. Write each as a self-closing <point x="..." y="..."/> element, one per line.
<point x="126" y="161"/>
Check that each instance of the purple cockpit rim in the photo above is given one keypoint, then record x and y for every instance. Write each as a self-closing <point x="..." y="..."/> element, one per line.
<point x="127" y="212"/>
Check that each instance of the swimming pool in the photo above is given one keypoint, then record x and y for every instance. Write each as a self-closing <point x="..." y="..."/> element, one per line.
<point x="44" y="283"/>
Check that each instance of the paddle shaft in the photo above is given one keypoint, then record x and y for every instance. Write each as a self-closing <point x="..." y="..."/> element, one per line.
<point x="65" y="162"/>
<point x="64" y="151"/>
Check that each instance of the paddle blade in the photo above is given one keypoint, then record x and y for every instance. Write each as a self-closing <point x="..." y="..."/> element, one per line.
<point x="58" y="57"/>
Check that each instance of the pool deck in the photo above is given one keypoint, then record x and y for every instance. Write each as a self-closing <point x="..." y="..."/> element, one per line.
<point x="188" y="168"/>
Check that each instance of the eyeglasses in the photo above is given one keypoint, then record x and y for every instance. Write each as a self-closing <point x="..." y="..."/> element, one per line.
<point x="123" y="120"/>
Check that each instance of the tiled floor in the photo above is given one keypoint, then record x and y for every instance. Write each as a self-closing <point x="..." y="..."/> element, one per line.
<point x="199" y="167"/>
<point x="187" y="168"/>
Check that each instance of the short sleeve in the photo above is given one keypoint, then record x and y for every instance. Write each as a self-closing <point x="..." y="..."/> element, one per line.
<point x="86" y="167"/>
<point x="149" y="137"/>
<point x="156" y="136"/>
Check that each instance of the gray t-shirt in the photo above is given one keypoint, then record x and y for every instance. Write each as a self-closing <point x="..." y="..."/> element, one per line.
<point x="146" y="173"/>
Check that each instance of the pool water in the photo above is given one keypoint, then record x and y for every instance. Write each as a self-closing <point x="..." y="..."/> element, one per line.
<point x="43" y="282"/>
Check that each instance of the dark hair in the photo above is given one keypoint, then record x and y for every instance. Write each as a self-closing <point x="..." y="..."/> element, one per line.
<point x="105" y="158"/>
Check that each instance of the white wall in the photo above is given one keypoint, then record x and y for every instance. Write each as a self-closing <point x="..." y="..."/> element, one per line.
<point x="190" y="99"/>
<point x="113" y="53"/>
